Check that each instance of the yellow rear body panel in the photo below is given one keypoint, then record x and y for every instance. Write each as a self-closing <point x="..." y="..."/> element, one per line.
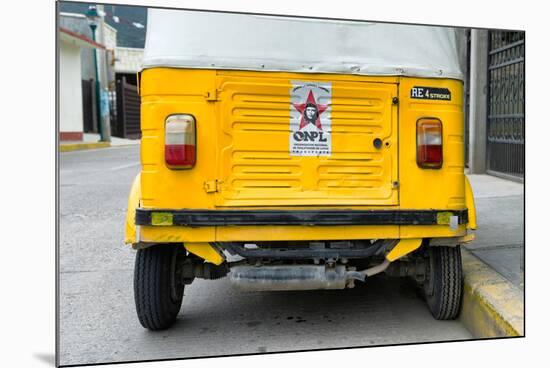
<point x="243" y="159"/>
<point x="256" y="169"/>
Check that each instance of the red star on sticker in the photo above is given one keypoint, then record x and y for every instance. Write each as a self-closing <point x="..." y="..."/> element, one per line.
<point x="302" y="107"/>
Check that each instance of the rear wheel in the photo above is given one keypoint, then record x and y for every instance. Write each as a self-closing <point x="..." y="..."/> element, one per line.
<point x="158" y="289"/>
<point x="443" y="286"/>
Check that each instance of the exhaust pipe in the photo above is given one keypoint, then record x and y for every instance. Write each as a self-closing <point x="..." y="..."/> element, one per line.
<point x="298" y="277"/>
<point x="292" y="277"/>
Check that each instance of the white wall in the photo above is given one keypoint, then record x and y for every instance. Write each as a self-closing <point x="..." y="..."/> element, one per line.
<point x="70" y="89"/>
<point x="109" y="41"/>
<point x="128" y="60"/>
<point x="78" y="23"/>
<point x="109" y="37"/>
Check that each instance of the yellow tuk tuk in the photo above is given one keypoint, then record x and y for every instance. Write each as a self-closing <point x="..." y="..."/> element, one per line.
<point x="293" y="154"/>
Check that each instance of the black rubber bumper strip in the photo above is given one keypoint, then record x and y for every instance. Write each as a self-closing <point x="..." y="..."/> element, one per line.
<point x="196" y="218"/>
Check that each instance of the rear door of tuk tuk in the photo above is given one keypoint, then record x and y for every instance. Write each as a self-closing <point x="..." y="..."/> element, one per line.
<point x="285" y="140"/>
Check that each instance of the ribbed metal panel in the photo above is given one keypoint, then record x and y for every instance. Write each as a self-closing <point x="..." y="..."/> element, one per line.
<point x="257" y="168"/>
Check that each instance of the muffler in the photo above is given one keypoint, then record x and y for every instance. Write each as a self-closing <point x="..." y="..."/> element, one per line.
<point x="291" y="277"/>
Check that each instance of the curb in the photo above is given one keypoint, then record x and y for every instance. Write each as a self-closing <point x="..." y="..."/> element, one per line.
<point x="82" y="146"/>
<point x="491" y="305"/>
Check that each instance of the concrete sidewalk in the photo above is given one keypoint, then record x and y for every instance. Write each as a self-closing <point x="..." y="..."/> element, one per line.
<point x="91" y="141"/>
<point x="493" y="264"/>
<point x="499" y="238"/>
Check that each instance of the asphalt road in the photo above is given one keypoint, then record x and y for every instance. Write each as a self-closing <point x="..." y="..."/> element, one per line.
<point x="97" y="318"/>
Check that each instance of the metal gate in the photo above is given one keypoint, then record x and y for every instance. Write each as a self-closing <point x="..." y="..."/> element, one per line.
<point x="506" y="104"/>
<point x="128" y="110"/>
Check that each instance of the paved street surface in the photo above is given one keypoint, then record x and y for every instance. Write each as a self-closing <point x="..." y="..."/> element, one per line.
<point x="115" y="141"/>
<point x="499" y="238"/>
<point x="98" y="322"/>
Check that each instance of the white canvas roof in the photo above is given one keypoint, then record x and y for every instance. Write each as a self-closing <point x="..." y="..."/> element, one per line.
<point x="193" y="39"/>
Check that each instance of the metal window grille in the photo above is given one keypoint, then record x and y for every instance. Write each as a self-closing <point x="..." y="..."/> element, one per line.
<point x="506" y="104"/>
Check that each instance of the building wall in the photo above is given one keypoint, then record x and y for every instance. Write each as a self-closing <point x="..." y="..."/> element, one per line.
<point x="70" y="92"/>
<point x="78" y="23"/>
<point x="106" y="35"/>
<point x="128" y="60"/>
<point x="109" y="37"/>
<point x="109" y="41"/>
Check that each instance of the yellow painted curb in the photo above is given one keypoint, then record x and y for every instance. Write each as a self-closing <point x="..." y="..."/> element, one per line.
<point x="491" y="305"/>
<point x="82" y="146"/>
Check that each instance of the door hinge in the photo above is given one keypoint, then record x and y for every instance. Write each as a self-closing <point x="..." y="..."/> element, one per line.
<point x="211" y="95"/>
<point x="211" y="186"/>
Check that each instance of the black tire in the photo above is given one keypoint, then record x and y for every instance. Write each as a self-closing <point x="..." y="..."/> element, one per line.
<point x="158" y="292"/>
<point x="443" y="287"/>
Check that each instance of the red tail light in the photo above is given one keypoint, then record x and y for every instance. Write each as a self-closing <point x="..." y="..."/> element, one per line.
<point x="180" y="142"/>
<point x="429" y="143"/>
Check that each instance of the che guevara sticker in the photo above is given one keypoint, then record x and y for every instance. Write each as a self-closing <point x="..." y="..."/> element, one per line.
<point x="310" y="119"/>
